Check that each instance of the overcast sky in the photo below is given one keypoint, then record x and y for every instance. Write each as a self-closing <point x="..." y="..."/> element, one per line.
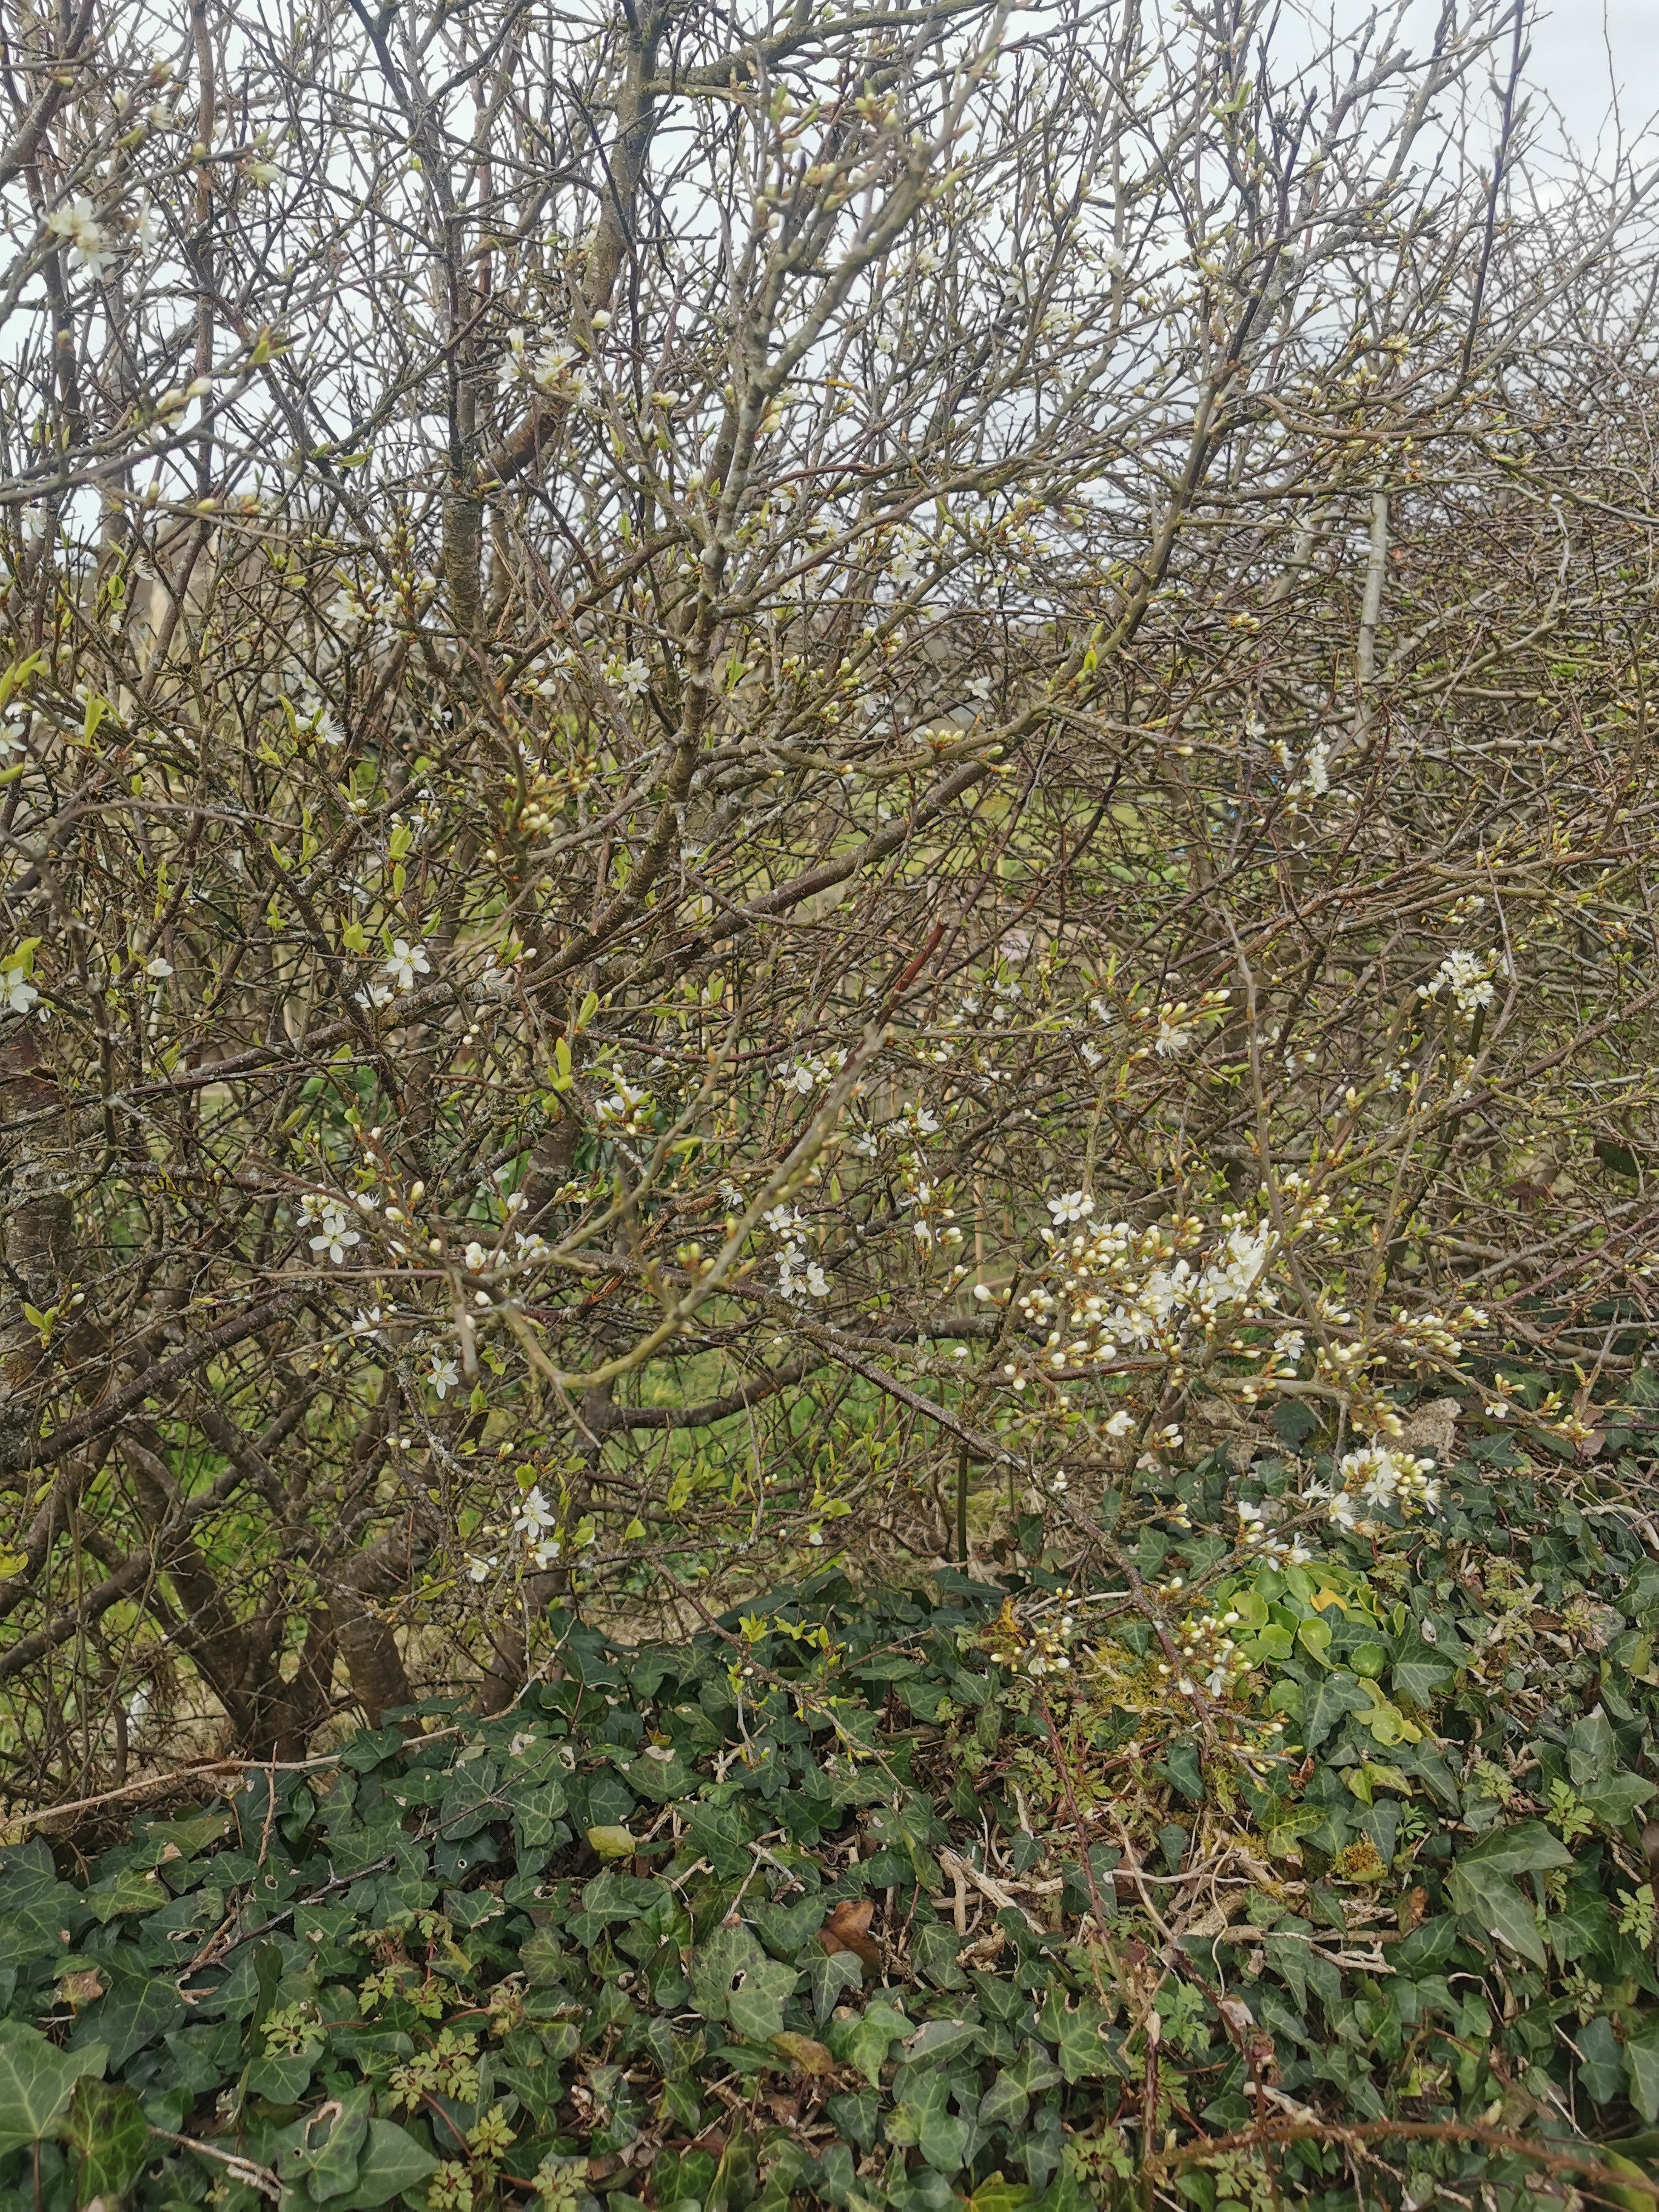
<point x="1585" y="50"/>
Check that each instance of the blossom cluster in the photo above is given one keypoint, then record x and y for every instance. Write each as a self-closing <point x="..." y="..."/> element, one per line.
<point x="1036" y="1647"/>
<point x="1467" y="976"/>
<point x="803" y="1074"/>
<point x="1255" y="1529"/>
<point x="1378" y="1476"/>
<point x="1119" y="1289"/>
<point x="1208" y="1656"/>
<point x="798" y="1278"/>
<point x="629" y="1109"/>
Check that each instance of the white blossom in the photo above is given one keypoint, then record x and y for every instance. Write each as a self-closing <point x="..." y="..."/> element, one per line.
<point x="535" y="1516"/>
<point x="76" y="224"/>
<point x="1467" y="975"/>
<point x="337" y="1237"/>
<point x="407" y="962"/>
<point x="1070" y="1205"/>
<point x="17" y="993"/>
<point x="443" y="1375"/>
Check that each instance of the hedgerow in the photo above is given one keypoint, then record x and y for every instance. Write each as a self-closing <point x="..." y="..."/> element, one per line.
<point x="894" y="1899"/>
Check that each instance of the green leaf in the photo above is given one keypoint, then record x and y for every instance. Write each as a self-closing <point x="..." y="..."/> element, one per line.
<point x="1617" y="1799"/>
<point x="333" y="2162"/>
<point x="1314" y="1637"/>
<point x="829" y="1977"/>
<point x="391" y="2161"/>
<point x="1601" y="2064"/>
<point x="1419" y="1674"/>
<point x="1005" y="2104"/>
<point x="137" y="2007"/>
<point x="785" y="1928"/>
<point x="1033" y="2070"/>
<point x="1526" y="1847"/>
<point x="1641" y="2066"/>
<point x="1330" y="1698"/>
<point x="863" y="2043"/>
<point x="936" y="2042"/>
<point x="130" y="1891"/>
<point x="996" y="2195"/>
<point x="106" y="2124"/>
<point x="36" y="2082"/>
<point x="923" y="2117"/>
<point x="934" y="1947"/>
<point x="1077" y="2034"/>
<point x="281" y="2077"/>
<point x="1494" y="1900"/>
<point x="732" y="1979"/>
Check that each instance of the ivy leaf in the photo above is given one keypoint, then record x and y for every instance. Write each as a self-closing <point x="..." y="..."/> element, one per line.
<point x="1420" y="1673"/>
<point x="785" y="1928"/>
<point x="1601" y="2061"/>
<point x="732" y="1979"/>
<point x="36" y="2082"/>
<point x="923" y="2117"/>
<point x="536" y="1812"/>
<point x="333" y="2163"/>
<point x="829" y="1977"/>
<point x="137" y="2007"/>
<point x="1331" y="1697"/>
<point x="863" y="2043"/>
<point x="934" y="1947"/>
<point x="1641" y="2066"/>
<point x="130" y="1891"/>
<point x="106" y="2124"/>
<point x="1617" y="1799"/>
<point x="936" y="2042"/>
<point x="1004" y="2102"/>
<point x="1077" y="2034"/>
<point x="391" y="2162"/>
<point x="1528" y="1847"/>
<point x="1491" y="1897"/>
<point x="996" y="2195"/>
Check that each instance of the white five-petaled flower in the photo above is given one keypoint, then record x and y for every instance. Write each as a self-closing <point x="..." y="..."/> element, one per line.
<point x="476" y="1257"/>
<point x="1070" y="1205"/>
<point x="367" y="1320"/>
<point x="1467" y="975"/>
<point x="160" y="969"/>
<point x="535" y="1516"/>
<point x="407" y="962"/>
<point x="1121" y="1423"/>
<point x="443" y="1375"/>
<point x="337" y="1237"/>
<point x="78" y="225"/>
<point x="17" y="993"/>
<point x="629" y="675"/>
<point x="479" y="1569"/>
<point x="373" y="995"/>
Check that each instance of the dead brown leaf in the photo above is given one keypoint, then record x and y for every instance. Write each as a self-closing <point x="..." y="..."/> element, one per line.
<point x="848" y="1928"/>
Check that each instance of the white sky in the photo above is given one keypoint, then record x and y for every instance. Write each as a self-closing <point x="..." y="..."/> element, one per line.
<point x="1584" y="51"/>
